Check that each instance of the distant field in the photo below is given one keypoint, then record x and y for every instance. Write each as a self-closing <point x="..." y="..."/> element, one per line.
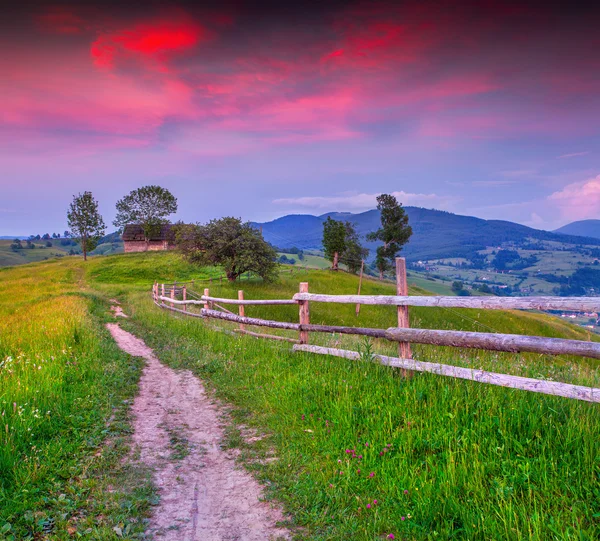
<point x="9" y="258"/>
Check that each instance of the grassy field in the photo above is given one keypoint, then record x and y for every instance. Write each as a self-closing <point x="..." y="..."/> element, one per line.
<point x="353" y="450"/>
<point x="64" y="389"/>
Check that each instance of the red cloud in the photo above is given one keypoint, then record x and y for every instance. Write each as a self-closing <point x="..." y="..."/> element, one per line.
<point x="156" y="40"/>
<point x="60" y="21"/>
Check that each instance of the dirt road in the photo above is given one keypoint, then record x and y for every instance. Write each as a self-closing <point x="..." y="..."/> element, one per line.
<point x="204" y="496"/>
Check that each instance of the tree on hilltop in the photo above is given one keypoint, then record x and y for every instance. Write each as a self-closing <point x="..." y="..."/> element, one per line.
<point x="148" y="207"/>
<point x="334" y="240"/>
<point x="237" y="247"/>
<point x="341" y="244"/>
<point x="85" y="222"/>
<point x="394" y="232"/>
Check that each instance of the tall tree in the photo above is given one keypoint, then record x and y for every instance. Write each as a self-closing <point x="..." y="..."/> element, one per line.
<point x="148" y="207"/>
<point x="237" y="247"/>
<point x="334" y="240"/>
<point x="355" y="252"/>
<point x="394" y="232"/>
<point x="85" y="222"/>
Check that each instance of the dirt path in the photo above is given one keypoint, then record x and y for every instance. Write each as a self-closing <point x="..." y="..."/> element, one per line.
<point x="203" y="495"/>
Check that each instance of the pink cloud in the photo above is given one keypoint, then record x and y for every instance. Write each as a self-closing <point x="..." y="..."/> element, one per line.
<point x="579" y="200"/>
<point x="155" y="39"/>
<point x="59" y="20"/>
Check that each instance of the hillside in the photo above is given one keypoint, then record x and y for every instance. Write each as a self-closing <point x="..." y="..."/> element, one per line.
<point x="68" y="395"/>
<point x="436" y="234"/>
<point x="584" y="228"/>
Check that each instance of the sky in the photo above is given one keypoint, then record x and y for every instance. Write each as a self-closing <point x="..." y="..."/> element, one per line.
<point x="257" y="110"/>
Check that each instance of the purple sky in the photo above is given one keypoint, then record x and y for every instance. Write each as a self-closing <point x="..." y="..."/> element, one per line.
<point x="487" y="108"/>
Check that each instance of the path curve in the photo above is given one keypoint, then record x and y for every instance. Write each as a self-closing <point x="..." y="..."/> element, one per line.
<point x="204" y="496"/>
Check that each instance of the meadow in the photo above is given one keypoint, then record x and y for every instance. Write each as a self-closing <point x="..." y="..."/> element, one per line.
<point x="352" y="449"/>
<point x="64" y="394"/>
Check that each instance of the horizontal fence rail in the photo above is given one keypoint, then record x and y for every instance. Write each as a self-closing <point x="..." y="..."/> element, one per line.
<point x="580" y="304"/>
<point x="555" y="388"/>
<point x="165" y="296"/>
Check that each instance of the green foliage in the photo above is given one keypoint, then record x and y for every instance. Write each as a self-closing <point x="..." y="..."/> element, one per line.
<point x="457" y="286"/>
<point x="334" y="240"/>
<point x="394" y="231"/>
<point x="237" y="247"/>
<point x="148" y="207"/>
<point x="85" y="221"/>
<point x="341" y="244"/>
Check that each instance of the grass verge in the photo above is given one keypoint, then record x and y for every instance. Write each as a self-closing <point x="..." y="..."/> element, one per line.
<point x="65" y="391"/>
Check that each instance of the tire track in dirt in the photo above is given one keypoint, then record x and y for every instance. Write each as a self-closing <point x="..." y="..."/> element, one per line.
<point x="203" y="495"/>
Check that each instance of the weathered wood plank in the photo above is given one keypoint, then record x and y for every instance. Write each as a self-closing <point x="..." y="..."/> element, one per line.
<point x="514" y="343"/>
<point x="403" y="321"/>
<point x="492" y="303"/>
<point x="578" y="392"/>
<point x="249" y="301"/>
<point x="269" y="336"/>
<point x="303" y="315"/>
<point x="250" y="320"/>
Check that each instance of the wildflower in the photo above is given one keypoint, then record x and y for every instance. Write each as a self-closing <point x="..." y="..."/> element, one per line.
<point x="405" y="491"/>
<point x="391" y="536"/>
<point x="303" y="417"/>
<point x="402" y="518"/>
<point x="358" y="471"/>
<point x="368" y="506"/>
<point x="374" y="502"/>
<point x="372" y="474"/>
<point x="359" y="457"/>
<point x="339" y="461"/>
<point x="341" y="473"/>
<point x="381" y="454"/>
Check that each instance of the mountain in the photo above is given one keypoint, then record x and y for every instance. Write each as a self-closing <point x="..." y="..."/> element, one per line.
<point x="436" y="234"/>
<point x="584" y="228"/>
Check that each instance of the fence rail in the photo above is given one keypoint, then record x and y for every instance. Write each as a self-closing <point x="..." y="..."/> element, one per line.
<point x="403" y="334"/>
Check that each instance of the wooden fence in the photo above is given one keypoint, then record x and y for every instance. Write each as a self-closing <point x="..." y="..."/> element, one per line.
<point x="178" y="299"/>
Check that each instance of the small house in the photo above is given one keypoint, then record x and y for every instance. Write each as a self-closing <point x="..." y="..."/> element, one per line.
<point x="134" y="241"/>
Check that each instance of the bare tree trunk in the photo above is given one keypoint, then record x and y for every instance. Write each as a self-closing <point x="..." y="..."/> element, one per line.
<point x="380" y="274"/>
<point x="336" y="257"/>
<point x="84" y="247"/>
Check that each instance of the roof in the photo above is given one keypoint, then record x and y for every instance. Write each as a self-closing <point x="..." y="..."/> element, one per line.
<point x="134" y="232"/>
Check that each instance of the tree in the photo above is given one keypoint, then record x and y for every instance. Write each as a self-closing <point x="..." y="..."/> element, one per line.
<point x="355" y="253"/>
<point x="334" y="240"/>
<point x="148" y="207"/>
<point x="16" y="245"/>
<point x="237" y="247"/>
<point x="85" y="222"/>
<point x="394" y="232"/>
<point x="457" y="286"/>
<point x="48" y="244"/>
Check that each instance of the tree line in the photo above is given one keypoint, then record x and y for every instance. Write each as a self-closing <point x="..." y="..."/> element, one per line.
<point x="236" y="246"/>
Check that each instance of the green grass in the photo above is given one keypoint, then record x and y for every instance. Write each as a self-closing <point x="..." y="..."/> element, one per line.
<point x="64" y="389"/>
<point x="476" y="461"/>
<point x="10" y="258"/>
<point x="456" y="459"/>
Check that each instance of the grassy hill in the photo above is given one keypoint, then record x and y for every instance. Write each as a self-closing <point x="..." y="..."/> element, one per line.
<point x="444" y="458"/>
<point x="584" y="228"/>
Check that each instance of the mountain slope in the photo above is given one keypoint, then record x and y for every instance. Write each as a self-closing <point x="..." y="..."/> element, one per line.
<point x="584" y="228"/>
<point x="436" y="234"/>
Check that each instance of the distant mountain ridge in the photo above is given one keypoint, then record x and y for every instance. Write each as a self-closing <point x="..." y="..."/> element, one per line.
<point x="583" y="228"/>
<point x="436" y="234"/>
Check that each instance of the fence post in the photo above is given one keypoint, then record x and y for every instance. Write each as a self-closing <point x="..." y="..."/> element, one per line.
<point x="173" y="295"/>
<point x="185" y="298"/>
<point x="241" y="309"/>
<point x="304" y="313"/>
<point x="206" y="294"/>
<point x="163" y="292"/>
<point x="362" y="268"/>
<point x="402" y="290"/>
